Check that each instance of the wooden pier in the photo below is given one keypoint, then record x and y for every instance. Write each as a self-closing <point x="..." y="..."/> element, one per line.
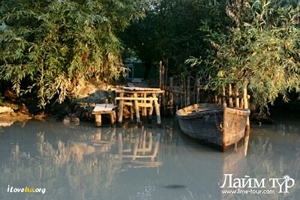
<point x="136" y="98"/>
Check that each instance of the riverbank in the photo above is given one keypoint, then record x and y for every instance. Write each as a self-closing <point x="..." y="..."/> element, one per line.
<point x="85" y="96"/>
<point x="78" y="107"/>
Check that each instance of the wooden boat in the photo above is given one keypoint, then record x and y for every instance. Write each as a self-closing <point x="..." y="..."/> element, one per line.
<point x="213" y="123"/>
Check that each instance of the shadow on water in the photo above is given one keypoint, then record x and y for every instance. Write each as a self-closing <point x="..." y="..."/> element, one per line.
<point x="174" y="186"/>
<point x="131" y="162"/>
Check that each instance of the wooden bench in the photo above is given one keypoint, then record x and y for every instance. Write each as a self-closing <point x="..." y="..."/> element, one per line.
<point x="104" y="109"/>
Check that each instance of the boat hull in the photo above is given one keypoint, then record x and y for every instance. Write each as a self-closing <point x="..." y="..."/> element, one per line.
<point x="213" y="123"/>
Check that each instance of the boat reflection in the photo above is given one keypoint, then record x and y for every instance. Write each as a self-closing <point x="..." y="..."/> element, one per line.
<point x="234" y="163"/>
<point x="139" y="163"/>
<point x="262" y="162"/>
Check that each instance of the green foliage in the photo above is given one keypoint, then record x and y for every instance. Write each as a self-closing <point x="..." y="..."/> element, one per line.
<point x="170" y="32"/>
<point x="262" y="50"/>
<point x="49" y="45"/>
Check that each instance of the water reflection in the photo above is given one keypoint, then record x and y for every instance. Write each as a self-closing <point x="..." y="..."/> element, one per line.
<point x="268" y="161"/>
<point x="138" y="148"/>
<point x="82" y="167"/>
<point x="131" y="162"/>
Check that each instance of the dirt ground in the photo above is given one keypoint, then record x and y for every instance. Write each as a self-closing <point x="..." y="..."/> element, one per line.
<point x="17" y="113"/>
<point x="21" y="109"/>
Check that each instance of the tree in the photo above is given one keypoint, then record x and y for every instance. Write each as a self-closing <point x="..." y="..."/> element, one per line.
<point x="262" y="50"/>
<point x="170" y="32"/>
<point x="49" y="45"/>
<point x="141" y="37"/>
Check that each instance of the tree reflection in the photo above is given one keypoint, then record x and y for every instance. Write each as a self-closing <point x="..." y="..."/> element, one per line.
<point x="83" y="169"/>
<point x="266" y="163"/>
<point x="263" y="163"/>
<point x="91" y="164"/>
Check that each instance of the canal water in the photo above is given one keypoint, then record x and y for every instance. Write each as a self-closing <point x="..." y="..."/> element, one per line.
<point x="50" y="160"/>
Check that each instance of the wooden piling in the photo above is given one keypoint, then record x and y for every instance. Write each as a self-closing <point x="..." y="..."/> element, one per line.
<point x="188" y="90"/>
<point x="247" y="129"/>
<point x="171" y="96"/>
<point x="237" y="99"/>
<point x="246" y="106"/>
<point x="224" y="96"/>
<point x="181" y="92"/>
<point x="230" y="102"/>
<point x="161" y="75"/>
<point x="197" y="89"/>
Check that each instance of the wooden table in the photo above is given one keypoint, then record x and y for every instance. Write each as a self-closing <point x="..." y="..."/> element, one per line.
<point x="137" y="97"/>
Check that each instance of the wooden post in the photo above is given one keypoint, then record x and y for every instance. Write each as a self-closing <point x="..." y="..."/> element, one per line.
<point x="144" y="109"/>
<point x="197" y="89"/>
<point x="246" y="106"/>
<point x="150" y="112"/>
<point x="237" y="99"/>
<point x="112" y="117"/>
<point x="162" y="83"/>
<point x="136" y="108"/>
<point x="230" y="95"/>
<point x="242" y="103"/>
<point x="188" y="90"/>
<point x="165" y="86"/>
<point x="184" y="92"/>
<point x="224" y="97"/>
<point x="247" y="130"/>
<point x="121" y="107"/>
<point x="161" y="75"/>
<point x="165" y="75"/>
<point x="181" y="92"/>
<point x="131" y="112"/>
<point x="98" y="119"/>
<point x="216" y="99"/>
<point x="157" y="110"/>
<point x="171" y="96"/>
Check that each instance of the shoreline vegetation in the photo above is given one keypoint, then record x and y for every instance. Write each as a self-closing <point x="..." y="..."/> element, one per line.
<point x="49" y="50"/>
<point x="21" y="109"/>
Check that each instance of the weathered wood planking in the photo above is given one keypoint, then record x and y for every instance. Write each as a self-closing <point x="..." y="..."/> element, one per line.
<point x="103" y="107"/>
<point x="141" y="89"/>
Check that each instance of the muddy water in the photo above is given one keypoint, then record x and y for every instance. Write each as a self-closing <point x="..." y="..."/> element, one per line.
<point x="53" y="161"/>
